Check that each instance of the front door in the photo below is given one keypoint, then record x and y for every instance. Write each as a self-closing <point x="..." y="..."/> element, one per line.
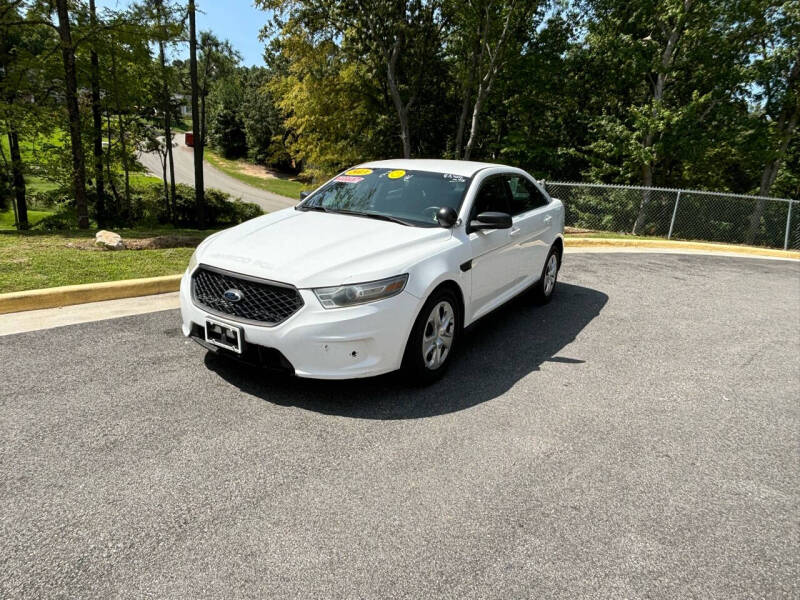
<point x="493" y="269"/>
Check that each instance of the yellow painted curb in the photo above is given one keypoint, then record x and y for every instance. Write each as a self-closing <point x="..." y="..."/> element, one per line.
<point x="90" y="292"/>
<point x="579" y="242"/>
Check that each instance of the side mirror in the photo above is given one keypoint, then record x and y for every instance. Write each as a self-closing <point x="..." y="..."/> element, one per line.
<point x="491" y="220"/>
<point x="447" y="216"/>
<point x="304" y="195"/>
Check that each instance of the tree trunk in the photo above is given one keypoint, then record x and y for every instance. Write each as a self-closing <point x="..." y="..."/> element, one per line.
<point x="108" y="168"/>
<point x="202" y="121"/>
<point x="97" y="124"/>
<point x="166" y="108"/>
<point x="71" y="90"/>
<point x="476" y="111"/>
<point x="199" y="194"/>
<point x="485" y="84"/>
<point x="123" y="144"/>
<point x="166" y="188"/>
<point x="402" y="110"/>
<point x="19" y="180"/>
<point x="469" y="83"/>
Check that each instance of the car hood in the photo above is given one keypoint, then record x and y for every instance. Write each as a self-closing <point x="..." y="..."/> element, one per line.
<point x="314" y="249"/>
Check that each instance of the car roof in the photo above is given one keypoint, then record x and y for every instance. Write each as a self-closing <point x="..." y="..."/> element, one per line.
<point x="465" y="168"/>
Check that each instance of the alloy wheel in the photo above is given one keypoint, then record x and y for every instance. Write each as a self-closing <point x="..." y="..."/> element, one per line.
<point x="550" y="274"/>
<point x="437" y="337"/>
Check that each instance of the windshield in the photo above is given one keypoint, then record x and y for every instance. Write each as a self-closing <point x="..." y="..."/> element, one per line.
<point x="410" y="197"/>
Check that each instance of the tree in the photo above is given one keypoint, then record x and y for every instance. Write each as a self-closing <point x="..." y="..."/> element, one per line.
<point x="217" y="61"/>
<point x="97" y="122"/>
<point x="226" y="114"/>
<point x="199" y="193"/>
<point x="265" y="133"/>
<point x="128" y="78"/>
<point x="659" y="69"/>
<point x="71" y="97"/>
<point x="488" y="32"/>
<point x="166" y="28"/>
<point x="396" y="40"/>
<point x="776" y="77"/>
<point x="11" y="81"/>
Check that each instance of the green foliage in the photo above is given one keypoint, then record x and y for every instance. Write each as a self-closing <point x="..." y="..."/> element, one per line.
<point x="222" y="211"/>
<point x="680" y="93"/>
<point x="227" y="126"/>
<point x="151" y="210"/>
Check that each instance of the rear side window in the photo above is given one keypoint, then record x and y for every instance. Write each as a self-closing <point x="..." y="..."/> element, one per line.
<point x="524" y="195"/>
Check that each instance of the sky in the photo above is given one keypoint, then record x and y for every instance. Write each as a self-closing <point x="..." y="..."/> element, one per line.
<point x="235" y="20"/>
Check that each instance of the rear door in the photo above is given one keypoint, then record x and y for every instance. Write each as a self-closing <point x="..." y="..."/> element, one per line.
<point x="493" y="263"/>
<point x="533" y="225"/>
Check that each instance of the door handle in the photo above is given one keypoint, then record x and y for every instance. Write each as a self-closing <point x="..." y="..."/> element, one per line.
<point x="547" y="219"/>
<point x="514" y="232"/>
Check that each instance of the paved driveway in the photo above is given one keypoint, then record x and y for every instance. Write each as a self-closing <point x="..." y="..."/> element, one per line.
<point x="638" y="437"/>
<point x="183" y="157"/>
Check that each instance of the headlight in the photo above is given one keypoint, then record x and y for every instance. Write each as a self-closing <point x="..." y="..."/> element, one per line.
<point x="192" y="262"/>
<point x="359" y="293"/>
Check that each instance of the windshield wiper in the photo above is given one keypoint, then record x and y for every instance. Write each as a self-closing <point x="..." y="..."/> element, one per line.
<point x="312" y="207"/>
<point x="378" y="216"/>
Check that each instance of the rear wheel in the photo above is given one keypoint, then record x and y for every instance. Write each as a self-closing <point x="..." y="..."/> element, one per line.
<point x="433" y="338"/>
<point x="544" y="288"/>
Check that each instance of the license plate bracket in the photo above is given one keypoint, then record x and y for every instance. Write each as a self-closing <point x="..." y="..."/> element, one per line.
<point x="224" y="335"/>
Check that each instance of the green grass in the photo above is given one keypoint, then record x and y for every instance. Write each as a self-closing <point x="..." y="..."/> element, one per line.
<point x="35" y="184"/>
<point x="284" y="187"/>
<point x="34" y="260"/>
<point x="29" y="149"/>
<point x="34" y="216"/>
<point x="142" y="179"/>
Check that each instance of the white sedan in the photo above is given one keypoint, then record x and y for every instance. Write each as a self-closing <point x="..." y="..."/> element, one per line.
<point x="379" y="269"/>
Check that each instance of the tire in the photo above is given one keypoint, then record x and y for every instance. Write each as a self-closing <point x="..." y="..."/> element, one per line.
<point x="544" y="289"/>
<point x="428" y="353"/>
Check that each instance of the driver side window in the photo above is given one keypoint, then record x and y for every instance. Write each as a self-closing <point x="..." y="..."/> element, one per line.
<point x="492" y="197"/>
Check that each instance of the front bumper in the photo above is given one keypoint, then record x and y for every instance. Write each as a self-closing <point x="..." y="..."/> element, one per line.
<point x="341" y="343"/>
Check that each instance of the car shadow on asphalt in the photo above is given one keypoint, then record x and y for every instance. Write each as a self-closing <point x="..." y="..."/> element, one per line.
<point x="495" y="353"/>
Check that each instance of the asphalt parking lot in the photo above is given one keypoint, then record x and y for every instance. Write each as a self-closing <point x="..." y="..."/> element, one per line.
<point x="638" y="437"/>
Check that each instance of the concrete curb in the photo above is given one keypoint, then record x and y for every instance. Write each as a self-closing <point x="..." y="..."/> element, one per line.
<point x="129" y="288"/>
<point x="588" y="242"/>
<point x="90" y="292"/>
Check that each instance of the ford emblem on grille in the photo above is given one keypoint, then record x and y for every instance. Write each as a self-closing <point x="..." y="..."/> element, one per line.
<point x="232" y="295"/>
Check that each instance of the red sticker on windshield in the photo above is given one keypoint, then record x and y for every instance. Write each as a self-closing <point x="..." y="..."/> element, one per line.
<point x="349" y="179"/>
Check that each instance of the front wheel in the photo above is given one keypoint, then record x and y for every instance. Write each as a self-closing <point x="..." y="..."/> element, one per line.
<point x="544" y="288"/>
<point x="433" y="338"/>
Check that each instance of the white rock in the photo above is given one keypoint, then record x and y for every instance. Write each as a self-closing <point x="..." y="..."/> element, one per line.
<point x="109" y="240"/>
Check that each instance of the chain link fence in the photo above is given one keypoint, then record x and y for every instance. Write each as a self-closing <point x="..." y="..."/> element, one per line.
<point x="680" y="214"/>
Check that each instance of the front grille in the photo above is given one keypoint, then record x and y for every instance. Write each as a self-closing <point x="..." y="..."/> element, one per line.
<point x="261" y="301"/>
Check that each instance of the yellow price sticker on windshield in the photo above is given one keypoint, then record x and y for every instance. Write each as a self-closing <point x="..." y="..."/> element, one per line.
<point x="359" y="172"/>
<point x="396" y="174"/>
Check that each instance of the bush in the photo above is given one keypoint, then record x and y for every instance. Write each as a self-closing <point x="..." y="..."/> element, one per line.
<point x="221" y="210"/>
<point x="48" y="200"/>
<point x="66" y="217"/>
<point x="150" y="209"/>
